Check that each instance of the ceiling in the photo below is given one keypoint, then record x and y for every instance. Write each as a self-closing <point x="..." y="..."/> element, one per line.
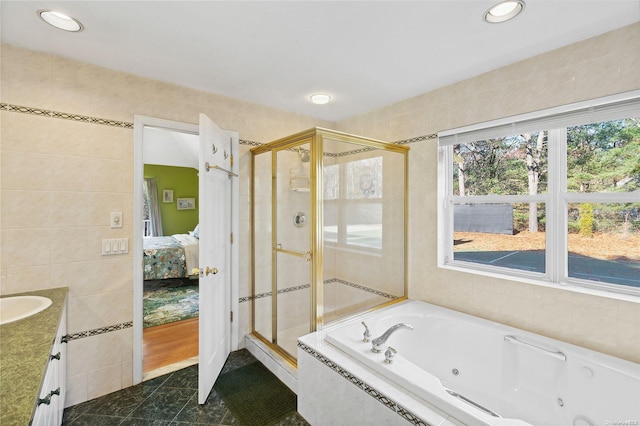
<point x="365" y="54"/>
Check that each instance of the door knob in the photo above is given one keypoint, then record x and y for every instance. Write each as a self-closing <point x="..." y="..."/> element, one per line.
<point x="208" y="271"/>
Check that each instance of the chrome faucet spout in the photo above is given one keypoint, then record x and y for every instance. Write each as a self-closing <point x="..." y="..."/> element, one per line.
<point x="376" y="344"/>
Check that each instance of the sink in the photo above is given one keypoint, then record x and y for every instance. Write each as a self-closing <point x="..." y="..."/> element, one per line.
<point x="14" y="308"/>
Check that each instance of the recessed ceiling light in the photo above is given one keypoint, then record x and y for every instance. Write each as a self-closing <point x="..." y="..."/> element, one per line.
<point x="320" y="98"/>
<point x="504" y="11"/>
<point x="60" y="20"/>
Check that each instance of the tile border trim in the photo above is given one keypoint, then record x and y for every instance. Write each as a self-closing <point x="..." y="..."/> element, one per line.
<point x="97" y="331"/>
<point x="81" y="118"/>
<point x="65" y="116"/>
<point x="250" y="143"/>
<point x="368" y="389"/>
<point x="367" y="289"/>
<point x="41" y="112"/>
<point x="129" y="324"/>
<point x="329" y="281"/>
<point x="417" y="139"/>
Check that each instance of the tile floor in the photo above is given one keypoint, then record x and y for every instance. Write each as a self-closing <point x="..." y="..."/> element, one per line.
<point x="171" y="399"/>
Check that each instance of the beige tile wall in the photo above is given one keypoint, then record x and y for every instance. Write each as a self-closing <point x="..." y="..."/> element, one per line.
<point x="62" y="178"/>
<point x="601" y="66"/>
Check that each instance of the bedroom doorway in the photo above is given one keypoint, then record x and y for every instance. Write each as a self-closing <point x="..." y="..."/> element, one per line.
<point x="166" y="291"/>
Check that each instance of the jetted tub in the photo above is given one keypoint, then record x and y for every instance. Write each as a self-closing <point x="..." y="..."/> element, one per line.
<point x="481" y="372"/>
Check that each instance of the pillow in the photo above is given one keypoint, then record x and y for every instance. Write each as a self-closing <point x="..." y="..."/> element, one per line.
<point x="195" y="232"/>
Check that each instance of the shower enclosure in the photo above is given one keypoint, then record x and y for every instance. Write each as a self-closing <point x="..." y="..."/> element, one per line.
<point x="329" y="226"/>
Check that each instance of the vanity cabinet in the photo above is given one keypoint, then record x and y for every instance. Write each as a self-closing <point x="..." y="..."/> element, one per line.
<point x="50" y="402"/>
<point x="33" y="362"/>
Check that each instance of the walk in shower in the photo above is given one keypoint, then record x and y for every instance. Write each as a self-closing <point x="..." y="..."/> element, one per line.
<point x="329" y="226"/>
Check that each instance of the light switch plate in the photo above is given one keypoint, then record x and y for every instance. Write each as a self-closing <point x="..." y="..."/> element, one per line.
<point x="115" y="246"/>
<point x="116" y="219"/>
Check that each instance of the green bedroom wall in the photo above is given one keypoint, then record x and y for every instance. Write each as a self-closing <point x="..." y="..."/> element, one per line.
<point x="183" y="181"/>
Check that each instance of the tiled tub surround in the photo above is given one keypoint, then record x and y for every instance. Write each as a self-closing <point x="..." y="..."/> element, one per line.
<point x="505" y="376"/>
<point x="25" y="346"/>
<point x="334" y="388"/>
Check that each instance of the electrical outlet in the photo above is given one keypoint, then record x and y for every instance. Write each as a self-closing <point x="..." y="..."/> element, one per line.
<point x="116" y="219"/>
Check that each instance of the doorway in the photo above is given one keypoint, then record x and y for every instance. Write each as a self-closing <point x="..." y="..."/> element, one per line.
<point x="173" y="145"/>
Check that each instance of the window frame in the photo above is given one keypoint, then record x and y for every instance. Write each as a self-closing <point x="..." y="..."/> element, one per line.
<point x="556" y="199"/>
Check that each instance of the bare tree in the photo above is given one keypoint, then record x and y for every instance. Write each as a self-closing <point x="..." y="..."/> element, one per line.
<point x="459" y="159"/>
<point x="534" y="151"/>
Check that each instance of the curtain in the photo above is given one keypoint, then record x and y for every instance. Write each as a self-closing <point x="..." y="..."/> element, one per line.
<point x="153" y="223"/>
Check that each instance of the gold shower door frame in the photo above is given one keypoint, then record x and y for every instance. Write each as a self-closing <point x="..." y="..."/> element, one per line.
<point x="315" y="138"/>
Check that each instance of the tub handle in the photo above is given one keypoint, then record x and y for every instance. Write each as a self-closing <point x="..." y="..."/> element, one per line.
<point x="389" y="354"/>
<point x="555" y="354"/>
<point x="472" y="403"/>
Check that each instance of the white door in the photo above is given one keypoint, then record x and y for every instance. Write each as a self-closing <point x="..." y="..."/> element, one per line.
<point x="215" y="254"/>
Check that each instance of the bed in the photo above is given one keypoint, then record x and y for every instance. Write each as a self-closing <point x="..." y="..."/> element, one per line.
<point x="170" y="257"/>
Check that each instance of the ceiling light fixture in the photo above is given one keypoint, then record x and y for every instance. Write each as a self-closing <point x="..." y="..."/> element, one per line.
<point x="504" y="11"/>
<point x="60" y="20"/>
<point x="320" y="98"/>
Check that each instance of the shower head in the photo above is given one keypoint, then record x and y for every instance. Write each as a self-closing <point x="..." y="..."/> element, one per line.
<point x="304" y="155"/>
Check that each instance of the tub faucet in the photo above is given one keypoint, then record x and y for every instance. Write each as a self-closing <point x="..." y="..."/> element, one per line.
<point x="377" y="343"/>
<point x="366" y="336"/>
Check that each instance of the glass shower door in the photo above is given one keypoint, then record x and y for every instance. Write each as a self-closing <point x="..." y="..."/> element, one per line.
<point x="364" y="205"/>
<point x="292" y="246"/>
<point x="262" y="240"/>
<point x="328" y="232"/>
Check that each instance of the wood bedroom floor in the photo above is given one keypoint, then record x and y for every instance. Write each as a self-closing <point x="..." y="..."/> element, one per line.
<point x="168" y="344"/>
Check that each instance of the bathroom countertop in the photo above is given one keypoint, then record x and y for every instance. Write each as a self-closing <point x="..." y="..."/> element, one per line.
<point x="25" y="346"/>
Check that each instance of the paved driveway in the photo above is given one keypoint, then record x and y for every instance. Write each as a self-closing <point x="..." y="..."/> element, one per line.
<point x="610" y="271"/>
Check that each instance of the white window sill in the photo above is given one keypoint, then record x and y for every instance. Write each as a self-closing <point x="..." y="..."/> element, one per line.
<point x="568" y="286"/>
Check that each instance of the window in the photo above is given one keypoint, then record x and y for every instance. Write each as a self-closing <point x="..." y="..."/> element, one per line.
<point x="552" y="196"/>
<point x="353" y="203"/>
<point x="152" y="223"/>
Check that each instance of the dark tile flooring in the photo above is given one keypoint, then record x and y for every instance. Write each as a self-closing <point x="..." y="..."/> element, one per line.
<point x="171" y="399"/>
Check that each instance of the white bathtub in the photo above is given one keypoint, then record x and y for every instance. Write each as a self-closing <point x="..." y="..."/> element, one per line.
<point x="485" y="373"/>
